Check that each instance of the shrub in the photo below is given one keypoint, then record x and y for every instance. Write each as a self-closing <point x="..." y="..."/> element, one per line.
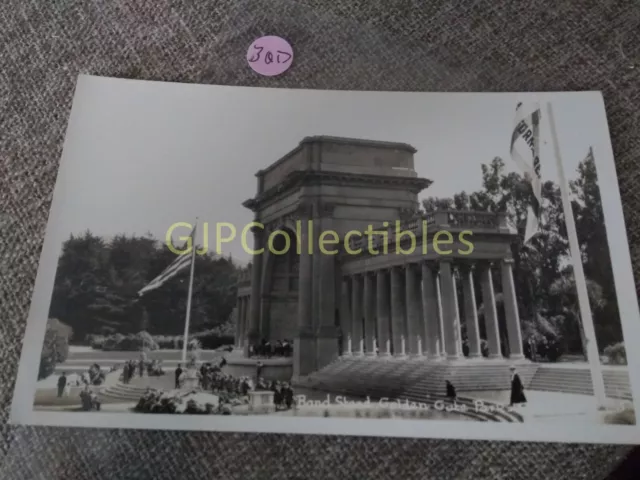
<point x="616" y="354"/>
<point x="111" y="342"/>
<point x="209" y="340"/>
<point x="212" y="339"/>
<point x="96" y="341"/>
<point x="55" y="348"/>
<point x="139" y="341"/>
<point x="146" y="341"/>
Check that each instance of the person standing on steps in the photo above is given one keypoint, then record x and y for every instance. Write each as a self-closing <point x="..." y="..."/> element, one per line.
<point x="451" y="391"/>
<point x="62" y="383"/>
<point x="259" y="367"/>
<point x="178" y="373"/>
<point x="517" y="389"/>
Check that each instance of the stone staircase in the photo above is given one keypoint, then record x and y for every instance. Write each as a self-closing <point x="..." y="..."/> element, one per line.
<point x="418" y="380"/>
<point x="573" y="380"/>
<point x="119" y="392"/>
<point x="471" y="376"/>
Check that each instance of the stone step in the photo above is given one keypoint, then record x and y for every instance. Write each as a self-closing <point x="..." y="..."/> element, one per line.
<point x="119" y="396"/>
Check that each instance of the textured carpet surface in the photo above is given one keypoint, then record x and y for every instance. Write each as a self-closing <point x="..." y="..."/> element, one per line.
<point x="479" y="45"/>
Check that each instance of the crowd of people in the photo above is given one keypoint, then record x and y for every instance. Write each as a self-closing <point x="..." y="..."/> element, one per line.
<point x="282" y="394"/>
<point x="211" y="378"/>
<point x="266" y="349"/>
<point x="152" y="368"/>
<point x="93" y="376"/>
<point x="89" y="400"/>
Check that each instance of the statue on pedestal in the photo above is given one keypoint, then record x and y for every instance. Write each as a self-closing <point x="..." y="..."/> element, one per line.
<point x="191" y="380"/>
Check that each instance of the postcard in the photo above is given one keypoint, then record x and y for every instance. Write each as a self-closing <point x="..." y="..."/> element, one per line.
<point x="445" y="265"/>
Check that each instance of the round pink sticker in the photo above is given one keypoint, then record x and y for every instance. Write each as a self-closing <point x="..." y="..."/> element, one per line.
<point x="270" y="55"/>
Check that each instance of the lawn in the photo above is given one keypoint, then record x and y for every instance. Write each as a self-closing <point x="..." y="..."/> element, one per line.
<point x="175" y="355"/>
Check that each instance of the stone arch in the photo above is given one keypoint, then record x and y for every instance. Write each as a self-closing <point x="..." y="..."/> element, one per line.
<point x="279" y="302"/>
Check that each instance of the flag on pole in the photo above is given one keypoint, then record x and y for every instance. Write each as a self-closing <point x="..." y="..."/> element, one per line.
<point x="525" y="149"/>
<point x="179" y="264"/>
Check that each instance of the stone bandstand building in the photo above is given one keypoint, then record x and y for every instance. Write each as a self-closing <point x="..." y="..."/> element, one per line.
<point x="371" y="295"/>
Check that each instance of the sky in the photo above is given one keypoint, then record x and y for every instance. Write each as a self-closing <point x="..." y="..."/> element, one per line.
<point x="140" y="156"/>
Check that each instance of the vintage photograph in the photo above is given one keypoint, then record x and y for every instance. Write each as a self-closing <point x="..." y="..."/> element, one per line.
<point x="376" y="263"/>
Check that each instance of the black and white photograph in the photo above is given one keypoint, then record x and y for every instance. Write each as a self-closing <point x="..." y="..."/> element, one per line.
<point x="447" y="265"/>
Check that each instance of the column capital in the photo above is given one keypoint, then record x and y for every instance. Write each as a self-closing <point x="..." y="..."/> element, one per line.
<point x="304" y="209"/>
<point x="397" y="268"/>
<point x="507" y="261"/>
<point x="448" y="260"/>
<point x="484" y="263"/>
<point x="414" y="266"/>
<point x="431" y="265"/>
<point x="466" y="267"/>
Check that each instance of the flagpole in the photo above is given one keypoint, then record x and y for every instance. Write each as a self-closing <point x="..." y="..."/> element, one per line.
<point x="185" y="340"/>
<point x="593" y="355"/>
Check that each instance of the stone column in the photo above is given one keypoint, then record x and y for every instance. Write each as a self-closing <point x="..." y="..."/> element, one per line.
<point x="457" y="304"/>
<point x="356" y="314"/>
<point x="304" y="343"/>
<point x="441" y="332"/>
<point x="324" y="303"/>
<point x="415" y="332"/>
<point x="345" y="316"/>
<point x="490" y="312"/>
<point x="239" y="320"/>
<point x="511" y="310"/>
<point x="243" y="322"/>
<point x="397" y="311"/>
<point x="470" y="312"/>
<point x="431" y="319"/>
<point x="449" y="311"/>
<point x="256" y="280"/>
<point x="369" y="315"/>
<point x="383" y="312"/>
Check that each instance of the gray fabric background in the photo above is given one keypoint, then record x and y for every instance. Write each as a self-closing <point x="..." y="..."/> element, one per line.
<point x="487" y="45"/>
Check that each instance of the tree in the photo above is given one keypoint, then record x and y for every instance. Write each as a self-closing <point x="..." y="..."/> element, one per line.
<point x="97" y="283"/>
<point x="563" y="299"/>
<point x="592" y="234"/>
<point x="55" y="348"/>
<point x="545" y="287"/>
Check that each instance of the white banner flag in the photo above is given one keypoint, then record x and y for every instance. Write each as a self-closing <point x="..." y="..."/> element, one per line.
<point x="525" y="148"/>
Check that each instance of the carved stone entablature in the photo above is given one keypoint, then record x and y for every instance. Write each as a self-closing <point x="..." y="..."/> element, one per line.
<point x="299" y="178"/>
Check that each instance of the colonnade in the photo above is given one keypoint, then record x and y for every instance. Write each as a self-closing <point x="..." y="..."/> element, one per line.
<point x="412" y="310"/>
